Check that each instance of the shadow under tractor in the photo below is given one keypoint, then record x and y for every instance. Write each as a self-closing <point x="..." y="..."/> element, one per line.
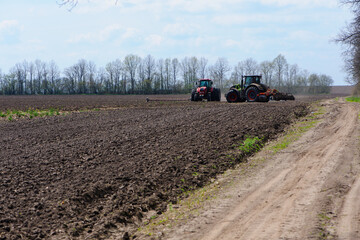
<point x="252" y="90"/>
<point x="205" y="90"/>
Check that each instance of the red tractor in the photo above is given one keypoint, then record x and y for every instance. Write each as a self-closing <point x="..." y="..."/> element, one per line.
<point x="252" y="90"/>
<point x="205" y="90"/>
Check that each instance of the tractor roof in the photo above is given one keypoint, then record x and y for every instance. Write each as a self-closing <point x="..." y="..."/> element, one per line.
<point x="205" y="79"/>
<point x="252" y="75"/>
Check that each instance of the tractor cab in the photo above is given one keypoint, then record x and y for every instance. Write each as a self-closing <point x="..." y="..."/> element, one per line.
<point x="248" y="80"/>
<point x="205" y="83"/>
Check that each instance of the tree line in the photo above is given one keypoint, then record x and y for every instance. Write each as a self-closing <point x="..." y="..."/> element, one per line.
<point x="350" y="38"/>
<point x="136" y="75"/>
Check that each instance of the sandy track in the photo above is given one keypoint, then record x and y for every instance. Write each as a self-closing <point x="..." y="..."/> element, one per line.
<point x="288" y="197"/>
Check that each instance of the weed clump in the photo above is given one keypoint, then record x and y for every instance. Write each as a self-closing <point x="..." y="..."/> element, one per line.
<point x="251" y="144"/>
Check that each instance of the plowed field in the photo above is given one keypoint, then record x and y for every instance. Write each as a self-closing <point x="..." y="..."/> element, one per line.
<point x="91" y="174"/>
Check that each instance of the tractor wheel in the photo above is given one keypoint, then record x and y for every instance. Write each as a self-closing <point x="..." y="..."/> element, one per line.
<point x="196" y="97"/>
<point x="232" y="96"/>
<point x="252" y="94"/>
<point x="218" y="95"/>
<point x="193" y="96"/>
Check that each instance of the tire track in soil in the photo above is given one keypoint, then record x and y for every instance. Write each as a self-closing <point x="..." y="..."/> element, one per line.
<point x="285" y="198"/>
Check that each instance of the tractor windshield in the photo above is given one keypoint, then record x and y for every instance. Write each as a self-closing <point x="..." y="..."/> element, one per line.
<point x="205" y="84"/>
<point x="251" y="79"/>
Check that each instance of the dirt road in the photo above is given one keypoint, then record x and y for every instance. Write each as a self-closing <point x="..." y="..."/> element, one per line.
<point x="310" y="190"/>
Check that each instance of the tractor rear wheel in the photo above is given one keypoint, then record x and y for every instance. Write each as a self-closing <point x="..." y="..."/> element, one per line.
<point x="252" y="94"/>
<point x="218" y="98"/>
<point x="216" y="95"/>
<point x="232" y="96"/>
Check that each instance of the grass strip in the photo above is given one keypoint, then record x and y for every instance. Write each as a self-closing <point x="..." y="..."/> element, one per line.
<point x="353" y="99"/>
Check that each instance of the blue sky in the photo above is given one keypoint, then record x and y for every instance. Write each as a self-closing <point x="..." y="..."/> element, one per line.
<point x="100" y="31"/>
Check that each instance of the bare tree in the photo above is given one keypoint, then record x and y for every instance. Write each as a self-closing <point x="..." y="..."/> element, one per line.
<point x="31" y="70"/>
<point x="189" y="68"/>
<point x="39" y="68"/>
<point x="175" y="71"/>
<point x="114" y="70"/>
<point x="161" y="73"/>
<point x="280" y="65"/>
<point x="77" y="77"/>
<point x="54" y="76"/>
<point x="72" y="3"/>
<point x="202" y="67"/>
<point x="219" y="71"/>
<point x="150" y="69"/>
<point x="20" y="73"/>
<point x="251" y="66"/>
<point x="167" y="70"/>
<point x="350" y="38"/>
<point x="267" y="71"/>
<point x="131" y="63"/>
<point x="91" y="69"/>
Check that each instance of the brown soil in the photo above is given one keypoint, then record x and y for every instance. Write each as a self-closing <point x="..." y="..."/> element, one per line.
<point x="80" y="102"/>
<point x="92" y="174"/>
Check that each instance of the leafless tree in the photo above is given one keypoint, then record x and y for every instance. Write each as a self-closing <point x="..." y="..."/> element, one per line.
<point x="167" y="65"/>
<point x="150" y="70"/>
<point x="39" y="70"/>
<point x="251" y="67"/>
<point x="189" y="67"/>
<point x="175" y="71"/>
<point x="131" y="63"/>
<point x="31" y="68"/>
<point x="219" y="71"/>
<point x="349" y="37"/>
<point x="202" y="67"/>
<point x="267" y="71"/>
<point x="280" y="66"/>
<point x="70" y="4"/>
<point x="161" y="73"/>
<point x="114" y="71"/>
<point x="91" y="69"/>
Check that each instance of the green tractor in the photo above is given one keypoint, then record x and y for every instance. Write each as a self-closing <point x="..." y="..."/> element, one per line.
<point x="252" y="90"/>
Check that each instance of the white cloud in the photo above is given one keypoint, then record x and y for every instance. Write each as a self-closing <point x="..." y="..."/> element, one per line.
<point x="302" y="3"/>
<point x="302" y="35"/>
<point x="112" y="31"/>
<point x="9" y="31"/>
<point x="8" y="25"/>
<point x="231" y="19"/>
<point x="154" y="39"/>
<point x="181" y="28"/>
<point x="191" y="6"/>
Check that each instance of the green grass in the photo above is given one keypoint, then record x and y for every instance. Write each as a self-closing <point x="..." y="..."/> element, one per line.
<point x="250" y="145"/>
<point x="295" y="132"/>
<point x="30" y="113"/>
<point x="34" y="113"/>
<point x="353" y="99"/>
<point x="324" y="224"/>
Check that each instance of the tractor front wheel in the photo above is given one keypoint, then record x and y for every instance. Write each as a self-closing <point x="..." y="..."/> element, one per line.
<point x="193" y="96"/>
<point x="232" y="96"/>
<point x="252" y="94"/>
